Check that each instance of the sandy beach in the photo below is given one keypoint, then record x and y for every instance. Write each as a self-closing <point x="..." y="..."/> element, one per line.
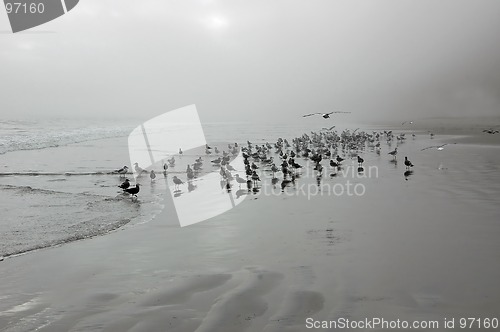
<point x="249" y="166"/>
<point x="421" y="247"/>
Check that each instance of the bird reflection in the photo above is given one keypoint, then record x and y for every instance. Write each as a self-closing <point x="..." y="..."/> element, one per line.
<point x="240" y="192"/>
<point x="407" y="174"/>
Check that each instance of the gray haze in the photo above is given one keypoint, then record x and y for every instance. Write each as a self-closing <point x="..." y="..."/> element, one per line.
<point x="244" y="60"/>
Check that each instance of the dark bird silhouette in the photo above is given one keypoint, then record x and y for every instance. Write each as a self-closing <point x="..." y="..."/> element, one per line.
<point x="360" y="161"/>
<point x="408" y="163"/>
<point x="125" y="184"/>
<point x="133" y="191"/>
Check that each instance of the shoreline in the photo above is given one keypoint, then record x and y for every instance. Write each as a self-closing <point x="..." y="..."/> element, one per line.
<point x="275" y="260"/>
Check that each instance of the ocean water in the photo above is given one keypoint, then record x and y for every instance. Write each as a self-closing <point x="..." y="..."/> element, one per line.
<point x="57" y="183"/>
<point x="56" y="186"/>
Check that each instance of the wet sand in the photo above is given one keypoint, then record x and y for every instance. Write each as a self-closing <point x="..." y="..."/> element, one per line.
<point x="420" y="247"/>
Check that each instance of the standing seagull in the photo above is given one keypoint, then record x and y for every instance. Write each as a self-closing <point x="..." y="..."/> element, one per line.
<point x="152" y="175"/>
<point x="408" y="163"/>
<point x="139" y="170"/>
<point x="324" y="115"/>
<point x="133" y="191"/>
<point x="122" y="171"/>
<point x="177" y="182"/>
<point x="255" y="178"/>
<point x="239" y="179"/>
<point x="360" y="161"/>
<point x="125" y="184"/>
<point x="394" y="153"/>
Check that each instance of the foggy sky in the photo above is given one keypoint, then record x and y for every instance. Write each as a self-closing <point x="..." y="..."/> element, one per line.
<point x="256" y="59"/>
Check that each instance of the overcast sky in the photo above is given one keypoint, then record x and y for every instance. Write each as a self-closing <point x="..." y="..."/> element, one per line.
<point x="251" y="59"/>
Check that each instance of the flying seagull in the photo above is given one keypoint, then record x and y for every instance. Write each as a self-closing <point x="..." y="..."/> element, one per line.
<point x="324" y="115"/>
<point x="438" y="147"/>
<point x="177" y="182"/>
<point x="408" y="122"/>
<point x="329" y="129"/>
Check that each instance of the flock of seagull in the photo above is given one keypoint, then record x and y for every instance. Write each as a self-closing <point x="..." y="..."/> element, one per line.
<point x="315" y="148"/>
<point x="278" y="158"/>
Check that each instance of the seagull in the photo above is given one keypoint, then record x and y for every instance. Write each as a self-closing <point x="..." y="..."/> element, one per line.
<point x="408" y="163"/>
<point x="139" y="170"/>
<point x="324" y="115"/>
<point x="239" y="179"/>
<point x="274" y="169"/>
<point x="394" y="153"/>
<point x="122" y="171"/>
<point x="438" y="147"/>
<point x="177" y="182"/>
<point x="133" y="191"/>
<point x="180" y="151"/>
<point x="125" y="184"/>
<point x="408" y="122"/>
<point x="360" y="161"/>
<point x="255" y="178"/>
<point x="152" y="175"/>
<point x="329" y="129"/>
<point x="490" y="131"/>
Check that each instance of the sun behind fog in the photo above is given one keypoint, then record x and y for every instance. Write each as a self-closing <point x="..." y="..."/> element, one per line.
<point x="217" y="22"/>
